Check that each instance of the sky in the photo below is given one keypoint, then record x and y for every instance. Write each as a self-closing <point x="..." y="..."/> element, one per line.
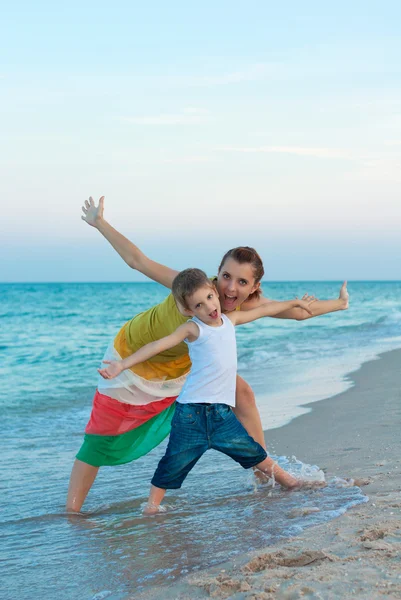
<point x="205" y="126"/>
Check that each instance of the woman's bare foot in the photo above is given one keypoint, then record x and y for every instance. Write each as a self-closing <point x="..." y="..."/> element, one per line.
<point x="261" y="477"/>
<point x="307" y="485"/>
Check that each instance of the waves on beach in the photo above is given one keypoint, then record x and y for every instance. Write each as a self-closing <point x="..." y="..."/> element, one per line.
<point x="53" y="337"/>
<point x="220" y="513"/>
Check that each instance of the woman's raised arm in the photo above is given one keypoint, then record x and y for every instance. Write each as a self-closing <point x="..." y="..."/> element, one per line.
<point x="319" y="307"/>
<point x="131" y="254"/>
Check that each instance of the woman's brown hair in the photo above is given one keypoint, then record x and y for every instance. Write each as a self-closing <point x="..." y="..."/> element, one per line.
<point x="247" y="255"/>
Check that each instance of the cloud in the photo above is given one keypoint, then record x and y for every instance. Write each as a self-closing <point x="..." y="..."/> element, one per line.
<point x="187" y="160"/>
<point x="189" y="116"/>
<point x="298" y="150"/>
<point x="252" y="73"/>
<point x="368" y="166"/>
<point x="379" y="169"/>
<point x="192" y="110"/>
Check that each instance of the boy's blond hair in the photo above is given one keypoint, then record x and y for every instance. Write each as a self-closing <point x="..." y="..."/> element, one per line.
<point x="187" y="282"/>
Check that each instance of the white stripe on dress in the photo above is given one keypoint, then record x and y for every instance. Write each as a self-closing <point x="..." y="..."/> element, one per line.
<point x="130" y="388"/>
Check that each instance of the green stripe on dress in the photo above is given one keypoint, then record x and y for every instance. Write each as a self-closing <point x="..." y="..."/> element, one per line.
<point x="109" y="450"/>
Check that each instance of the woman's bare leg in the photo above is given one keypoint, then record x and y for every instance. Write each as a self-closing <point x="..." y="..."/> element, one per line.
<point x="246" y="411"/>
<point x="270" y="468"/>
<point x="81" y="481"/>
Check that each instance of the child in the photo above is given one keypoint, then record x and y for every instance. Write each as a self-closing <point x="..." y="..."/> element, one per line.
<point x="204" y="418"/>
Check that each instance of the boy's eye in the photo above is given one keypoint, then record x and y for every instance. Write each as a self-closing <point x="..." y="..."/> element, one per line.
<point x="198" y="306"/>
<point x="210" y="296"/>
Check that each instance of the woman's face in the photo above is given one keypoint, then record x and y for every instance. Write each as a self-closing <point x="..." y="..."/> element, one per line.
<point x="235" y="283"/>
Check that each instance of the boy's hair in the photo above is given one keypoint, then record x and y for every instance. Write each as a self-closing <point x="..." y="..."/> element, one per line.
<point x="187" y="282"/>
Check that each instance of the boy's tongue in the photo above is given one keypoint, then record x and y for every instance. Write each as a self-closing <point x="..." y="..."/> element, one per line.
<point x="213" y="314"/>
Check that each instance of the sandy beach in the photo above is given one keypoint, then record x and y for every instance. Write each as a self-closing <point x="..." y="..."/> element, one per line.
<point x="354" y="435"/>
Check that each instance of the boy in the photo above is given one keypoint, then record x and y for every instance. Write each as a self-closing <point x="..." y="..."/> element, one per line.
<point x="203" y="418"/>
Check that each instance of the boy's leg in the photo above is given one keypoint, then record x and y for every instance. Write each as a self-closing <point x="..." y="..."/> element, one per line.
<point x="155" y="499"/>
<point x="230" y="437"/>
<point x="187" y="443"/>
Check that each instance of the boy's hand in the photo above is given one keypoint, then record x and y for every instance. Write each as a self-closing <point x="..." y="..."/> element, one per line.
<point x="93" y="214"/>
<point x="308" y="298"/>
<point x="305" y="304"/>
<point x="113" y="370"/>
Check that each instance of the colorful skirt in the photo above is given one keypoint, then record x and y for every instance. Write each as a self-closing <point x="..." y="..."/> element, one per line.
<point x="130" y="416"/>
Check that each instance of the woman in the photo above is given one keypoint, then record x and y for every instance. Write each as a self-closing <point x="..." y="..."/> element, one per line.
<point x="132" y="413"/>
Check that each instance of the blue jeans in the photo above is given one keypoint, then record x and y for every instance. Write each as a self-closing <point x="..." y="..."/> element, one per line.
<point x="194" y="429"/>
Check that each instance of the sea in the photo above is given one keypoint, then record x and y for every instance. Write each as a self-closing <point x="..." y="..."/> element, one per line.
<point x="52" y="339"/>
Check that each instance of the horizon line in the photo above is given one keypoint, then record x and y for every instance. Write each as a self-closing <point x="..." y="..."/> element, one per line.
<point x="266" y="281"/>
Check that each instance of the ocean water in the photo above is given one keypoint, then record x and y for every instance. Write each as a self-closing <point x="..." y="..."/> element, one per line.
<point x="52" y="339"/>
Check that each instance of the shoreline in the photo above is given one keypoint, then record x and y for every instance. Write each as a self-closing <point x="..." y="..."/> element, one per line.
<point x="340" y="384"/>
<point x="354" y="434"/>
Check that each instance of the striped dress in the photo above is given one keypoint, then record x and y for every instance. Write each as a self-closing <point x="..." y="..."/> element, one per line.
<point x="132" y="413"/>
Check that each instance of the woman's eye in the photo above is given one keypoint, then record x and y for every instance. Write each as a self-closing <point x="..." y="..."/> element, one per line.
<point x="243" y="282"/>
<point x="226" y="276"/>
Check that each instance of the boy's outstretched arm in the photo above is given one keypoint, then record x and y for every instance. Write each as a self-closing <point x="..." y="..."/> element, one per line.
<point x="131" y="254"/>
<point x="319" y="307"/>
<point x="117" y="366"/>
<point x="270" y="309"/>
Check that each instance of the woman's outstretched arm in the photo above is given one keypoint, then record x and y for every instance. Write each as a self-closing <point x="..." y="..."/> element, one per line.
<point x="319" y="307"/>
<point x="131" y="254"/>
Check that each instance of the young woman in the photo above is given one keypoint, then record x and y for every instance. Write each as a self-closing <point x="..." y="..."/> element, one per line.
<point x="132" y="413"/>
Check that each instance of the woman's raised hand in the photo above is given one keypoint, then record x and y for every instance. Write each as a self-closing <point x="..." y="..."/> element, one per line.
<point x="92" y="213"/>
<point x="112" y="370"/>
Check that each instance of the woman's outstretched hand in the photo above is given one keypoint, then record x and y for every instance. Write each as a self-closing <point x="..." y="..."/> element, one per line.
<point x="344" y="295"/>
<point x="112" y="370"/>
<point x="92" y="213"/>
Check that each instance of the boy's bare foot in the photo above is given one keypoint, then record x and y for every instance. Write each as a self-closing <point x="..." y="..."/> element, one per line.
<point x="153" y="509"/>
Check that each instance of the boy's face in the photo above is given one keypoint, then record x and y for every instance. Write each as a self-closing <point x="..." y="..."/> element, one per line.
<point x="205" y="304"/>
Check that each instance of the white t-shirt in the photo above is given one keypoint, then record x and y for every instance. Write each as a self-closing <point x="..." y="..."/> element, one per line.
<point x="212" y="377"/>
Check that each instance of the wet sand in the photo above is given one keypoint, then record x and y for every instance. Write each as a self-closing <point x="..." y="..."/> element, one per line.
<point x="356" y="434"/>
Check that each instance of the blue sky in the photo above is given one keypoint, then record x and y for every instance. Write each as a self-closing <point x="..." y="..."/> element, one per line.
<point x="205" y="126"/>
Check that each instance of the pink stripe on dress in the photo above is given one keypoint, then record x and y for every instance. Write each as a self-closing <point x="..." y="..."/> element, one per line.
<point x="111" y="417"/>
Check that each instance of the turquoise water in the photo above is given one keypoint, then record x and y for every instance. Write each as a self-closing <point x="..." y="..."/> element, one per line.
<point x="52" y="339"/>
